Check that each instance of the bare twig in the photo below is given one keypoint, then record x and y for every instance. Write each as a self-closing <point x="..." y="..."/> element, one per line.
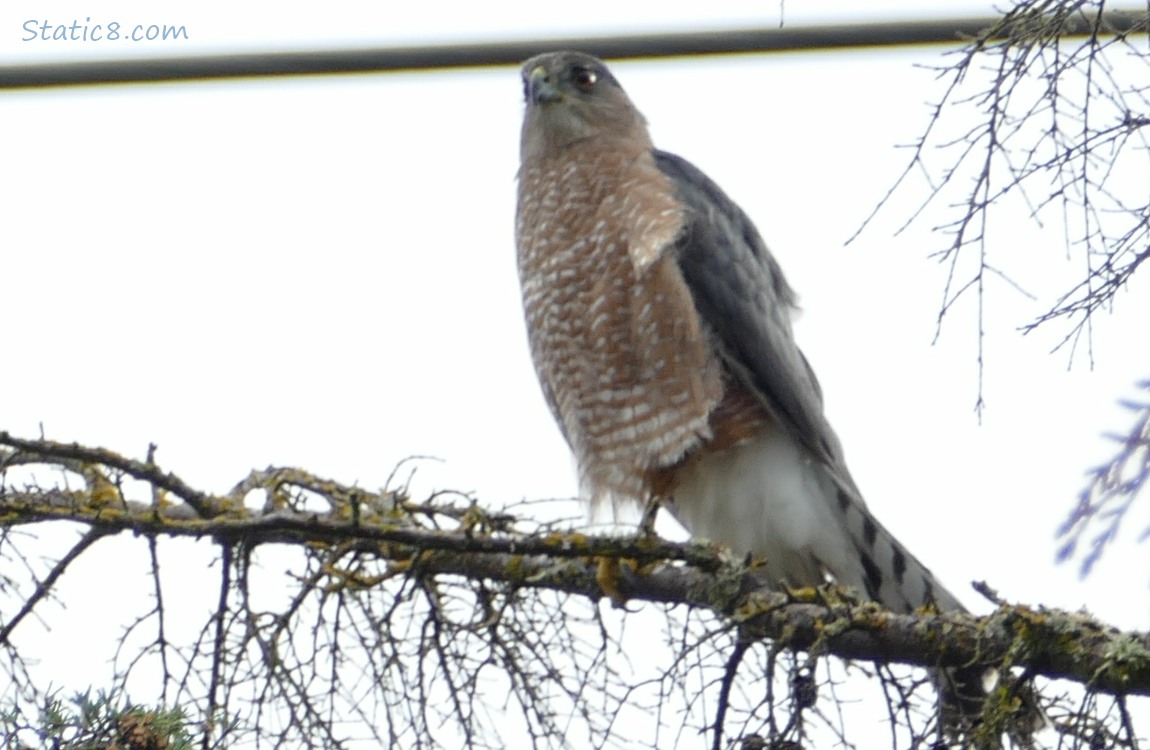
<point x="404" y="614"/>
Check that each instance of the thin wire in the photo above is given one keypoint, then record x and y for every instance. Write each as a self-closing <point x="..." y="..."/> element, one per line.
<point x="394" y="59"/>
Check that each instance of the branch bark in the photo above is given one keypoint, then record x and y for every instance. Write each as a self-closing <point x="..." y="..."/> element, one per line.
<point x="495" y="548"/>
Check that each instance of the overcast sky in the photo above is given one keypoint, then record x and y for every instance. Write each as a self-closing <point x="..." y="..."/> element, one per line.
<point x="320" y="272"/>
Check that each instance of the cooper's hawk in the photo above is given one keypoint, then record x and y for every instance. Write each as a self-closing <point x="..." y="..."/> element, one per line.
<point x="660" y="328"/>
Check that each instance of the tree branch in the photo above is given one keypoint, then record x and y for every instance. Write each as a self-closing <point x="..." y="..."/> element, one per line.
<point x="491" y="548"/>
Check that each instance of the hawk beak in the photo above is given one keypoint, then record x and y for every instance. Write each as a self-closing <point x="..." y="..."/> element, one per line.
<point x="540" y="87"/>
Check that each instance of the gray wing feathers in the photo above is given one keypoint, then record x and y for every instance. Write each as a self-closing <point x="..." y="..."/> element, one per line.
<point x="742" y="295"/>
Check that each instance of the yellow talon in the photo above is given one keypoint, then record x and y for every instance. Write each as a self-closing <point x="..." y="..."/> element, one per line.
<point x="609" y="576"/>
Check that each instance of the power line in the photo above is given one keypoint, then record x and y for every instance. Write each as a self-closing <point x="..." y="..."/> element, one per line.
<point x="377" y="60"/>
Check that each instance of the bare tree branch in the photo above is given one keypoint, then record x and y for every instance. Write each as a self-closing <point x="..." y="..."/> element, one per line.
<point x="1112" y="489"/>
<point x="1061" y="132"/>
<point x="431" y="609"/>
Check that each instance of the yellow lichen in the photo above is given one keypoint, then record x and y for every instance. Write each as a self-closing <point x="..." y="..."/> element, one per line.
<point x="608" y="575"/>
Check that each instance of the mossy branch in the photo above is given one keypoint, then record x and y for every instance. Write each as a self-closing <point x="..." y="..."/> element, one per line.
<point x="302" y="509"/>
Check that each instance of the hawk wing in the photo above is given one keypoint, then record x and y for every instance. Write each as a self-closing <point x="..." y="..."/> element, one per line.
<point x="742" y="296"/>
<point x="789" y="496"/>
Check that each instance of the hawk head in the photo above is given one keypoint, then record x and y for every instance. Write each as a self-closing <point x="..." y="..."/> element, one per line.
<point x="572" y="97"/>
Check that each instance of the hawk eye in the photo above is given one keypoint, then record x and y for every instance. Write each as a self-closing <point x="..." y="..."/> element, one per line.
<point x="585" y="78"/>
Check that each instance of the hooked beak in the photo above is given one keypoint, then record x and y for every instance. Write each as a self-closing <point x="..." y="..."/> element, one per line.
<point x="540" y="88"/>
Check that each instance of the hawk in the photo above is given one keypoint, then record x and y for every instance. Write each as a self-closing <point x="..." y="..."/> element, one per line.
<point x="659" y="324"/>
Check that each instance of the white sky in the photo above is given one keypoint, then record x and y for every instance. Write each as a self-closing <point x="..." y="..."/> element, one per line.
<point x="320" y="272"/>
